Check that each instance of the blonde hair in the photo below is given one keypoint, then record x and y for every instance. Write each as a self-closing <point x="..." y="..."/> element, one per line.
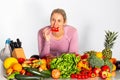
<point x="60" y="11"/>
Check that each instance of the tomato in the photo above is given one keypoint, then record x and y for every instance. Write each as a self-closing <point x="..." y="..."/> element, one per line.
<point x="21" y="60"/>
<point x="79" y="76"/>
<point x="82" y="77"/>
<point x="72" y="76"/>
<point x="86" y="76"/>
<point x="54" y="29"/>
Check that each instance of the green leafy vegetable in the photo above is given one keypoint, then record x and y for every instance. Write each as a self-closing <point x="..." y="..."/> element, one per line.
<point x="66" y="63"/>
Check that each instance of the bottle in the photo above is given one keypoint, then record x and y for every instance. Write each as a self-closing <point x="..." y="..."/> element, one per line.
<point x="6" y="51"/>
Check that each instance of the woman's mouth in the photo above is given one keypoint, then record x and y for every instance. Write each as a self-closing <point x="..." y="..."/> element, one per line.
<point x="54" y="29"/>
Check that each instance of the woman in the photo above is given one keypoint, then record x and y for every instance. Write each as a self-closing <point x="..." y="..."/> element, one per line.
<point x="57" y="38"/>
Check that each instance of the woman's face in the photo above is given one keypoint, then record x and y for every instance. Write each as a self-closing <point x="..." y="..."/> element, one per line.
<point x="57" y="21"/>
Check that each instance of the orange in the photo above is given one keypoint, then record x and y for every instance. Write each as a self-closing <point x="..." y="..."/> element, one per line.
<point x="17" y="67"/>
<point x="9" y="71"/>
<point x="55" y="73"/>
<point x="113" y="60"/>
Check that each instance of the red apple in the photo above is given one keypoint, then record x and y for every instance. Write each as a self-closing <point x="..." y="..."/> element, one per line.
<point x="92" y="75"/>
<point x="105" y="68"/>
<point x="103" y="74"/>
<point x="96" y="71"/>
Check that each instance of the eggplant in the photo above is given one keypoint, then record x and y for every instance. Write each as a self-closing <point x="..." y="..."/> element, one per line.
<point x="35" y="56"/>
<point x="117" y="65"/>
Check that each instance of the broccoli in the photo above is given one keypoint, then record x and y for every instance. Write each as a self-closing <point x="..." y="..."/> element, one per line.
<point x="95" y="61"/>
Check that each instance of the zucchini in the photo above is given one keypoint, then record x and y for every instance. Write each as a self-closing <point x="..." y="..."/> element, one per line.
<point x="37" y="72"/>
<point x="46" y="72"/>
<point x="25" y="77"/>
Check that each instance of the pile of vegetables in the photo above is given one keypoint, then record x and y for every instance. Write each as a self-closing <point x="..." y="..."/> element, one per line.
<point x="66" y="63"/>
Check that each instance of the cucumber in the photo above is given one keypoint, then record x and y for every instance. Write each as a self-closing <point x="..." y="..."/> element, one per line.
<point x="38" y="73"/>
<point x="25" y="77"/>
<point x="46" y="72"/>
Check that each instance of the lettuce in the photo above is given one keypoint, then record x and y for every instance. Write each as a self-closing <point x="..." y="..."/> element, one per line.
<point x="66" y="63"/>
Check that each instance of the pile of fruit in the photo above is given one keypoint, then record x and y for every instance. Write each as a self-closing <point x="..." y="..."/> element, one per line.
<point x="68" y="65"/>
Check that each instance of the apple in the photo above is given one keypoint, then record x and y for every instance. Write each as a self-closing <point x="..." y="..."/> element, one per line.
<point x="96" y="71"/>
<point x="92" y="75"/>
<point x="103" y="74"/>
<point x="105" y="68"/>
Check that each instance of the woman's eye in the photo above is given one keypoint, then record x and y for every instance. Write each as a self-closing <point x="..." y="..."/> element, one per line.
<point x="53" y="19"/>
<point x="59" y="20"/>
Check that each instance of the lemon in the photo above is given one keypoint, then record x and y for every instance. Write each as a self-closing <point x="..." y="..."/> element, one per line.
<point x="9" y="62"/>
<point x="99" y="54"/>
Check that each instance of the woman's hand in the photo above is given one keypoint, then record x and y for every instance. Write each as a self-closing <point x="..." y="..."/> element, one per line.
<point x="46" y="34"/>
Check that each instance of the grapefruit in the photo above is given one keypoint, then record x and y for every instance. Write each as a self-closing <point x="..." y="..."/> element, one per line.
<point x="8" y="62"/>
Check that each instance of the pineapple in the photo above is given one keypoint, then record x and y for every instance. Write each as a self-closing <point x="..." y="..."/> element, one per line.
<point x="110" y="37"/>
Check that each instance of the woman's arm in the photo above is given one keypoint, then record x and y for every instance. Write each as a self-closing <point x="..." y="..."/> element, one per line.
<point x="43" y="45"/>
<point x="74" y="42"/>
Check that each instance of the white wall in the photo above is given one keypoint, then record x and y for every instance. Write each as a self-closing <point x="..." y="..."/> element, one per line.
<point x="23" y="18"/>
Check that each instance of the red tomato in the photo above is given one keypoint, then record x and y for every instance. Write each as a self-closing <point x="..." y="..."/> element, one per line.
<point x="83" y="76"/>
<point x="86" y="76"/>
<point x="72" y="76"/>
<point x="79" y="77"/>
<point x="54" y="29"/>
<point x="21" y="60"/>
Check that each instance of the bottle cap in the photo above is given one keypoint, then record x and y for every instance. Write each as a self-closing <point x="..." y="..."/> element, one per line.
<point x="8" y="41"/>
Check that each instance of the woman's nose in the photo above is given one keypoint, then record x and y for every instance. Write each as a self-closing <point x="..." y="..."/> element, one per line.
<point x="55" y="24"/>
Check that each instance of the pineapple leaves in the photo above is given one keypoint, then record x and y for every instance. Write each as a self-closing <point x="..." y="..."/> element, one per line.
<point x="110" y="37"/>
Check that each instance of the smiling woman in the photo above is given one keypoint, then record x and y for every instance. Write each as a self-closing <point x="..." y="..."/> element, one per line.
<point x="57" y="38"/>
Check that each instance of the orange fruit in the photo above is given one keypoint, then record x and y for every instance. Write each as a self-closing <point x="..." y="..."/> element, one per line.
<point x="17" y="67"/>
<point x="113" y="60"/>
<point x="55" y="73"/>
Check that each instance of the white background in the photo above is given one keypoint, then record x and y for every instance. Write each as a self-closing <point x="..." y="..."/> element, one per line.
<point x="23" y="18"/>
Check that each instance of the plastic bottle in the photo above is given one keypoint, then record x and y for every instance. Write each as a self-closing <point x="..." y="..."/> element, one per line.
<point x="6" y="51"/>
